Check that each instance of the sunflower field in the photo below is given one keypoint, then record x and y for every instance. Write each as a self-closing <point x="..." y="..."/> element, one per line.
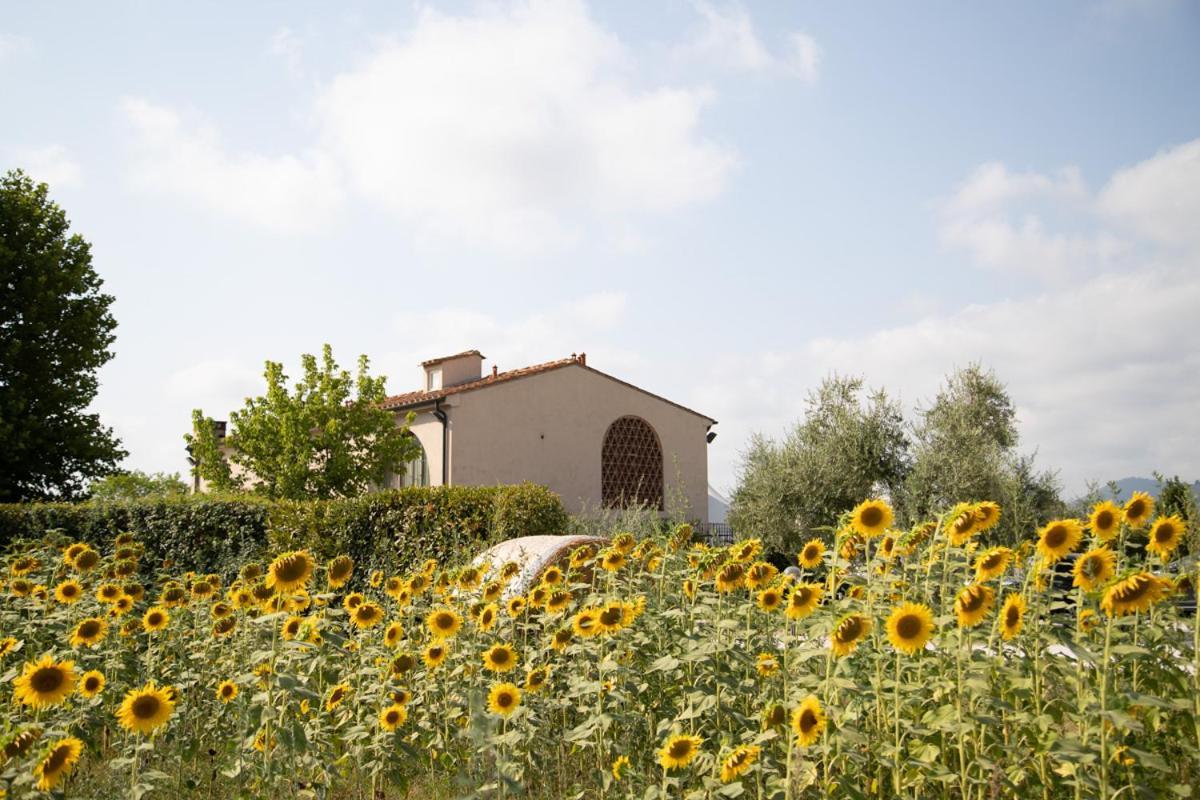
<point x="888" y="663"/>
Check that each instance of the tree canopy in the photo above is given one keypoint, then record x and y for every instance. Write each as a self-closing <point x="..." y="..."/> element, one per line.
<point x="326" y="437"/>
<point x="56" y="331"/>
<point x="138" y="485"/>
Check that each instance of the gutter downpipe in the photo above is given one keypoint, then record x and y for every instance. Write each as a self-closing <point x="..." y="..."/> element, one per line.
<point x="441" y="416"/>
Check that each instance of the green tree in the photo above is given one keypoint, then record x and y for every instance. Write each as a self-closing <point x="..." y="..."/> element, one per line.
<point x="847" y="448"/>
<point x="965" y="449"/>
<point x="55" y="333"/>
<point x="326" y="438"/>
<point x="138" y="485"/>
<point x="1178" y="497"/>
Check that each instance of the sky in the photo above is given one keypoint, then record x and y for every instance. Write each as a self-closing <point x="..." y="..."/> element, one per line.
<point x="720" y="202"/>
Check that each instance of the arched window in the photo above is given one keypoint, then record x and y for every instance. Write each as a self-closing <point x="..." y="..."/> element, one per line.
<point x="415" y="472"/>
<point x="631" y="465"/>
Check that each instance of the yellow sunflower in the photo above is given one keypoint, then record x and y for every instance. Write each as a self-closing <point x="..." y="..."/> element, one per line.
<point x="1057" y="538"/>
<point x="91" y="683"/>
<point x="617" y="765"/>
<point x="774" y="716"/>
<point x="738" y="761"/>
<point x="587" y="623"/>
<point x="1138" y="509"/>
<point x="561" y="638"/>
<point x="1088" y="620"/>
<point x="366" y="615"/>
<point x="68" y="592"/>
<point x="227" y="691"/>
<point x="812" y="554"/>
<point x="747" y="550"/>
<point x="392" y="634"/>
<point x="500" y="658"/>
<point x="1105" y="520"/>
<point x="435" y="655"/>
<point x="58" y="762"/>
<point x="156" y="619"/>
<point x="612" y="560"/>
<point x="223" y="627"/>
<point x="443" y="622"/>
<point x="7" y="645"/>
<point x="766" y="665"/>
<point x="492" y="591"/>
<point x="679" y="751"/>
<point x="488" y="616"/>
<point x="910" y="627"/>
<point x="1165" y="535"/>
<point x="516" y="605"/>
<point x="290" y="571"/>
<point x="86" y="560"/>
<point x="769" y="600"/>
<point x="504" y="699"/>
<point x="393" y="717"/>
<point x="336" y="696"/>
<point x="44" y="683"/>
<point x="760" y="574"/>
<point x="338" y="571"/>
<point x="403" y="662"/>
<point x="731" y="576"/>
<point x="89" y="632"/>
<point x="24" y="566"/>
<point x="973" y="603"/>
<point x="1012" y="615"/>
<point x="850" y="630"/>
<point x="871" y="517"/>
<point x="992" y="563"/>
<point x="1094" y="568"/>
<point x="961" y="523"/>
<point x="536" y="678"/>
<point x="808" y="721"/>
<point x="987" y="515"/>
<point x="803" y="600"/>
<point x="375" y="578"/>
<point x="612" y="617"/>
<point x="1135" y="593"/>
<point x="145" y="710"/>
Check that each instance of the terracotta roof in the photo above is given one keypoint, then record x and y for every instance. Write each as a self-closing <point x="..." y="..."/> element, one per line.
<point x="433" y="361"/>
<point x="410" y="399"/>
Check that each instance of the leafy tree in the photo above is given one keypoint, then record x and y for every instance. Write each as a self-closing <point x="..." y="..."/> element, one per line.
<point x="1178" y="497"/>
<point x="55" y="333"/>
<point x="138" y="485"/>
<point x="848" y="448"/>
<point x="965" y="449"/>
<point x="326" y="438"/>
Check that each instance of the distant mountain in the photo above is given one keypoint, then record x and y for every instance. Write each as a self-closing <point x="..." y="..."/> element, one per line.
<point x="1150" y="486"/>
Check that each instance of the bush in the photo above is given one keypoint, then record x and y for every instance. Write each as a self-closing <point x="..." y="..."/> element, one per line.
<point x="389" y="530"/>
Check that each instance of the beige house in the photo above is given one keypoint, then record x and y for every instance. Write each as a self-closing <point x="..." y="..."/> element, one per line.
<point x="594" y="439"/>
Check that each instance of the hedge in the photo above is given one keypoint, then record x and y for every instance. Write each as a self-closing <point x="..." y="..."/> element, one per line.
<point x="390" y="530"/>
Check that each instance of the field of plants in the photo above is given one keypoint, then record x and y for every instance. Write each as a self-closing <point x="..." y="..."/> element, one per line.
<point x="918" y="663"/>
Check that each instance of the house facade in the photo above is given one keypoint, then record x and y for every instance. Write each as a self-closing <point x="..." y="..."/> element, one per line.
<point x="597" y="441"/>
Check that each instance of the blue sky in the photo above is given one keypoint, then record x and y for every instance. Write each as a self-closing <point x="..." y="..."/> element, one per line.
<point x="721" y="202"/>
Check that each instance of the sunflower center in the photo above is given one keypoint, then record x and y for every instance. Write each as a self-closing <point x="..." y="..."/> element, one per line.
<point x="972" y="601"/>
<point x="909" y="626"/>
<point x="292" y="568"/>
<point x="680" y="749"/>
<point x="89" y="628"/>
<point x="810" y="552"/>
<point x="871" y="516"/>
<point x="500" y="656"/>
<point x="146" y="707"/>
<point x="1012" y="616"/>
<point x="1056" y="536"/>
<point x="963" y="523"/>
<point x="808" y="720"/>
<point x="1165" y="532"/>
<point x="992" y="561"/>
<point x="55" y="761"/>
<point x="848" y="630"/>
<point x="610" y="616"/>
<point x="91" y="684"/>
<point x="1133" y="589"/>
<point x="47" y="679"/>
<point x="504" y="699"/>
<point x="1104" y="520"/>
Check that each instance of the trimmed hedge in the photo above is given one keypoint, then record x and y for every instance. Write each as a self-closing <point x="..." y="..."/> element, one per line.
<point x="391" y="530"/>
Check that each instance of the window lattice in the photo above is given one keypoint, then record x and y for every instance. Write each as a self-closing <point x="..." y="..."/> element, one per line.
<point x="631" y="465"/>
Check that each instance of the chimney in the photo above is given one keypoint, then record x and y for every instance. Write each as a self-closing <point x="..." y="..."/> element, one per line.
<point x="582" y="359"/>
<point x="495" y="370"/>
<point x="454" y="370"/>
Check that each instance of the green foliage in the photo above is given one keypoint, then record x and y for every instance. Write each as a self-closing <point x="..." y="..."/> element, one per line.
<point x="137" y="485"/>
<point x="326" y="438"/>
<point x="1178" y="497"/>
<point x="389" y="530"/>
<point x="848" y="447"/>
<point x="55" y="333"/>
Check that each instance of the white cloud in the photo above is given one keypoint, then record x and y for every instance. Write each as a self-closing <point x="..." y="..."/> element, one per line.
<point x="1159" y="197"/>
<point x="287" y="45"/>
<point x="171" y="157"/>
<point x="726" y="38"/>
<point x="51" y="164"/>
<point x="516" y="128"/>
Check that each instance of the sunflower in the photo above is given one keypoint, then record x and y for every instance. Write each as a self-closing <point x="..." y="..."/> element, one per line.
<point x="375" y="579"/>
<point x="612" y="617"/>
<point x="488" y="616"/>
<point x="973" y="603"/>
<point x="68" y="592"/>
<point x="612" y="560"/>
<point x="1094" y="568"/>
<point x="393" y="717"/>
<point x="58" y="761"/>
<point x="262" y="744"/>
<point x="366" y="615"/>
<point x="987" y="515"/>
<point x="1137" y="592"/>
<point x="499" y="658"/>
<point x="961" y="523"/>
<point x="536" y="678"/>
<point x="561" y="638"/>
<point x="887" y="546"/>
<point x="1088" y="620"/>
<point x="419" y="584"/>
<point x="992" y="563"/>
<point x="1105" y="520"/>
<point x="1138" y="509"/>
<point x="435" y="655"/>
<point x="910" y="627"/>
<point x="7" y="645"/>
<point x="774" y="716"/>
<point x="769" y="600"/>
<point x="808" y="721"/>
<point x="44" y="683"/>
<point x="21" y="588"/>
<point x="553" y="576"/>
<point x="679" y="750"/>
<point x="201" y="590"/>
<point x="89" y="632"/>
<point x="290" y="571"/>
<point x="24" y="565"/>
<point x="223" y="627"/>
<point x="504" y="699"/>
<point x="582" y="555"/>
<point x="624" y="542"/>
<point x="540" y="595"/>
<point x="227" y="691"/>
<point x="1058" y="538"/>
<point x="86" y="560"/>
<point x="812" y="554"/>
<point x="338" y="571"/>
<point x="156" y="619"/>
<point x="403" y="662"/>
<point x="850" y="630"/>
<point x="731" y="576"/>
<point x="1012" y="615"/>
<point x="871" y="517"/>
<point x="1165" y="535"/>
<point x="738" y="761"/>
<point x="336" y="695"/>
<point x="689" y="589"/>
<point x="468" y="578"/>
<point x="172" y="595"/>
<point x="586" y="623"/>
<point x="803" y="600"/>
<point x="91" y="683"/>
<point x="443" y="622"/>
<point x="766" y="665"/>
<point x="145" y="710"/>
<point x="619" y="764"/>
<point x="747" y="550"/>
<point x="491" y="591"/>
